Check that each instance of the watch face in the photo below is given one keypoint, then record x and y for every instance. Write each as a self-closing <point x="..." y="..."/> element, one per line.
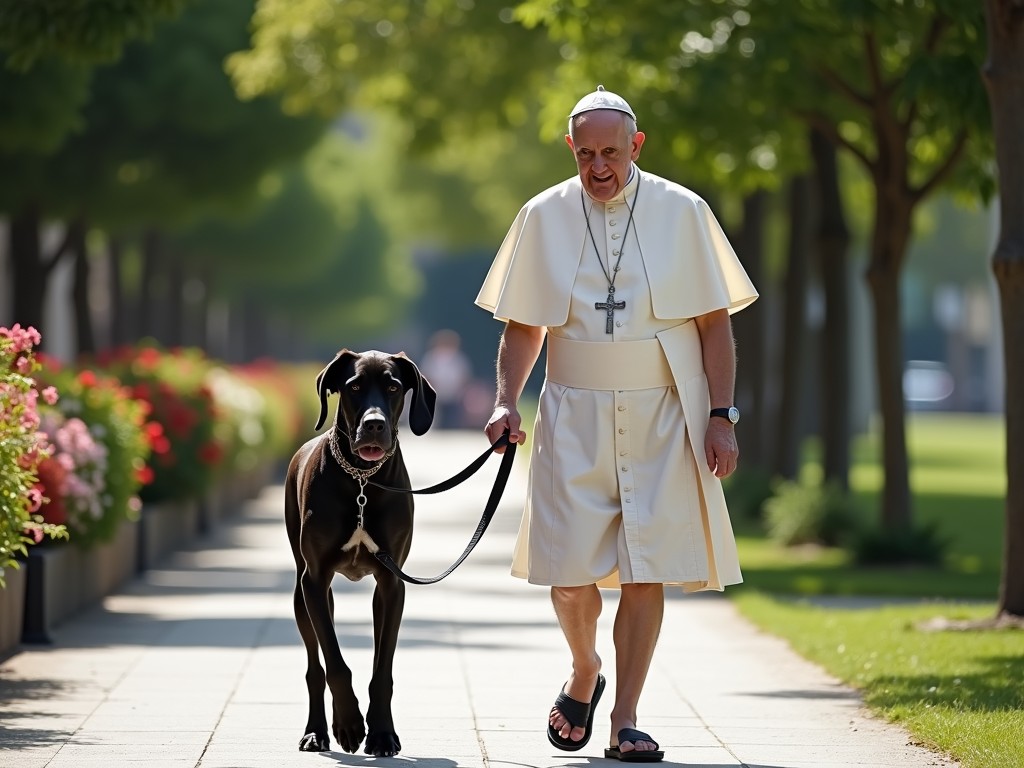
<point x="734" y="414"/>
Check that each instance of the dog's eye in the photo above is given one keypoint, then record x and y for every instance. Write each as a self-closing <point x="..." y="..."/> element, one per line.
<point x="354" y="387"/>
<point x="392" y="388"/>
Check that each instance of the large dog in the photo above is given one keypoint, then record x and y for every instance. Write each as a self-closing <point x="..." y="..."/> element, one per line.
<point x="330" y="532"/>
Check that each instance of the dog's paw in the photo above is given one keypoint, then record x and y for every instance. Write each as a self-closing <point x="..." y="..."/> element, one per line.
<point x="383" y="744"/>
<point x="314" y="742"/>
<point x="349" y="732"/>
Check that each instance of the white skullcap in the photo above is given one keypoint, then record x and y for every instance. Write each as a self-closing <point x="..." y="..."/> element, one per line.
<point x="601" y="99"/>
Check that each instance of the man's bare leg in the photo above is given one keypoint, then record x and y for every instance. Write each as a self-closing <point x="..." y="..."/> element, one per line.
<point x="637" y="625"/>
<point x="578" y="609"/>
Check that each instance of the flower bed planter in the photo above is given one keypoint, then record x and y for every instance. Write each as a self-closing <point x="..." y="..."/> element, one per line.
<point x="62" y="579"/>
<point x="12" y="609"/>
<point x="166" y="527"/>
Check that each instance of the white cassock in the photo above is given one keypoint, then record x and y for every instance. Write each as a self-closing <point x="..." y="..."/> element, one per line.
<point x="615" y="493"/>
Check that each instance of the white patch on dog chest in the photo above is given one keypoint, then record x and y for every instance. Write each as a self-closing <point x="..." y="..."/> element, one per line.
<point x="360" y="536"/>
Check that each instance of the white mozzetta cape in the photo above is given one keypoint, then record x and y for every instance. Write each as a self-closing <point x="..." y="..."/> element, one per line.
<point x="531" y="278"/>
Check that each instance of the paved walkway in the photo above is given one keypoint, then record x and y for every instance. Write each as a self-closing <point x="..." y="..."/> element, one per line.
<point x="198" y="663"/>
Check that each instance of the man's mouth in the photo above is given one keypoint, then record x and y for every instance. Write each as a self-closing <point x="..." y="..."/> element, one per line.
<point x="370" y="453"/>
<point x="602" y="179"/>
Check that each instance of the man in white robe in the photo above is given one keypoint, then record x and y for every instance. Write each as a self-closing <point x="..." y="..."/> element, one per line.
<point x="631" y="280"/>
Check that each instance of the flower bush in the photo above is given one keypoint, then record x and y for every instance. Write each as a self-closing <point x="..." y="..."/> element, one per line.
<point x="187" y="449"/>
<point x="103" y="442"/>
<point x="283" y="421"/>
<point x="22" y="447"/>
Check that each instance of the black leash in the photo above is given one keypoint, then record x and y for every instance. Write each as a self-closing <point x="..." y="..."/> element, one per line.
<point x="500" y="480"/>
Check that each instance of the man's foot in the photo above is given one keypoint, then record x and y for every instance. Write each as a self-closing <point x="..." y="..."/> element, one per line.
<point x="635" y="747"/>
<point x="573" y="717"/>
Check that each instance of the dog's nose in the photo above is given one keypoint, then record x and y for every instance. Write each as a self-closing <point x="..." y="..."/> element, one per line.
<point x="374" y="422"/>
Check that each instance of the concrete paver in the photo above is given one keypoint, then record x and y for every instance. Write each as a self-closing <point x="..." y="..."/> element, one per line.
<point x="198" y="663"/>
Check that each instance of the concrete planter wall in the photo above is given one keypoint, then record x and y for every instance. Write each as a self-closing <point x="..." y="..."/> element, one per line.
<point x="165" y="528"/>
<point x="60" y="579"/>
<point x="12" y="609"/>
<point x="63" y="579"/>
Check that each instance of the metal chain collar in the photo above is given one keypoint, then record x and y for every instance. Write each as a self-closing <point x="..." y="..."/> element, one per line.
<point x="359" y="475"/>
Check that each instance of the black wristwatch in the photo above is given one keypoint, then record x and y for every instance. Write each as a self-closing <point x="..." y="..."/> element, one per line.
<point x="732" y="413"/>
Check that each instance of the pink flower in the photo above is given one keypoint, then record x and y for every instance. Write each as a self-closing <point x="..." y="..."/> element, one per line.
<point x="50" y="395"/>
<point x="35" y="499"/>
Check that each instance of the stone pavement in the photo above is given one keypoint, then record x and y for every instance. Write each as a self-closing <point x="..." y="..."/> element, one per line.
<point x="198" y="663"/>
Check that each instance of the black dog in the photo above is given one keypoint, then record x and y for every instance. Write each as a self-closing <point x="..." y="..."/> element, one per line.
<point x="329" y="534"/>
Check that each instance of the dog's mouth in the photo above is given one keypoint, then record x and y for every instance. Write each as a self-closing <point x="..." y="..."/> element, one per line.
<point x="370" y="452"/>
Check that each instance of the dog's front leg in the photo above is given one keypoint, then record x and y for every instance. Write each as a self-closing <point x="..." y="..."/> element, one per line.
<point x="349" y="728"/>
<point x="388" y="606"/>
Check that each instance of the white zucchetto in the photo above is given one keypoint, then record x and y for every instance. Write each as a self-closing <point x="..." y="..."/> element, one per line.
<point x="601" y="99"/>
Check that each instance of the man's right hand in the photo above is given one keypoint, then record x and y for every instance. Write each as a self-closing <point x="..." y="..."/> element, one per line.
<point x="501" y="419"/>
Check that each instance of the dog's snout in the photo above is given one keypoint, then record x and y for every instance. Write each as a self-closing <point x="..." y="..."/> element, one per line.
<point x="373" y="422"/>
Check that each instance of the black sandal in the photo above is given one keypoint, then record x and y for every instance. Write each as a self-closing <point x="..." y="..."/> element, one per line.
<point x="576" y="712"/>
<point x="632" y="735"/>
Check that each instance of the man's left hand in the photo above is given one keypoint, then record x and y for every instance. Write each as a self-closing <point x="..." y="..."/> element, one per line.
<point x="720" y="447"/>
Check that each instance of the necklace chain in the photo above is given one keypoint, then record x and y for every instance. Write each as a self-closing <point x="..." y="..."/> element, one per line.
<point x="356" y="472"/>
<point x="615" y="270"/>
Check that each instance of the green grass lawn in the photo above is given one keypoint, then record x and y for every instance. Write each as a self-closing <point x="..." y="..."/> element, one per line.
<point x="958" y="481"/>
<point x="962" y="692"/>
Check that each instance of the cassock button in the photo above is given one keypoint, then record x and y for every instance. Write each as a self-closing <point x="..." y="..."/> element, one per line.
<point x="611" y="209"/>
<point x="622" y="431"/>
<point x="615" y="252"/>
<point x="622" y="407"/>
<point x="612" y="223"/>
<point x="624" y="468"/>
<point x="618" y="323"/>
<point x="622" y="453"/>
<point x="627" y="488"/>
<point x="615" y="236"/>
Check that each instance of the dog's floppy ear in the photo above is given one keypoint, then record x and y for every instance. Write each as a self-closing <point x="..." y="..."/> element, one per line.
<point x="421" y="408"/>
<point x="330" y="380"/>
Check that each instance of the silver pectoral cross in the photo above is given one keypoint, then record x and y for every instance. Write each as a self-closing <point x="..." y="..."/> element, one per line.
<point x="609" y="306"/>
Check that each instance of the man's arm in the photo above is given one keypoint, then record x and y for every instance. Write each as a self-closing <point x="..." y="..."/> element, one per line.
<point x="719" y="355"/>
<point x="518" y="351"/>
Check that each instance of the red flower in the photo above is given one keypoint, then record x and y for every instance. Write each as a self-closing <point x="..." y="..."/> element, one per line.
<point x="148" y="357"/>
<point x="145" y="475"/>
<point x="210" y="453"/>
<point x="161" y="445"/>
<point x="87" y="378"/>
<point x="52" y="476"/>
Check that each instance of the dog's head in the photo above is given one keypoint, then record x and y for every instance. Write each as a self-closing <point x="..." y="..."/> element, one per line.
<point x="371" y="388"/>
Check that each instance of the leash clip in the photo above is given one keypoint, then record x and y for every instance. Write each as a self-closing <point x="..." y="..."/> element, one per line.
<point x="361" y="500"/>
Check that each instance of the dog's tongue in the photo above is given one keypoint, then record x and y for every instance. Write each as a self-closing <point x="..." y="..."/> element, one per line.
<point x="371" y="453"/>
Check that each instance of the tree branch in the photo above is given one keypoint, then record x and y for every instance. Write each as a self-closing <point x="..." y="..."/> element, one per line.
<point x="843" y="87"/>
<point x="49" y="264"/>
<point x="830" y="131"/>
<point x="872" y="59"/>
<point x="943" y="171"/>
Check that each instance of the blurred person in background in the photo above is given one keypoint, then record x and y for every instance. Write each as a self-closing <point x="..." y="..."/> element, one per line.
<point x="449" y="372"/>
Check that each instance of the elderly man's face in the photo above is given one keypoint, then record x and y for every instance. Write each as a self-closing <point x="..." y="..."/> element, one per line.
<point x="604" y="152"/>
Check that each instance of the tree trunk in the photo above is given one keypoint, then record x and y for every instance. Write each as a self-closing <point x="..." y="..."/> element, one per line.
<point x="750" y="336"/>
<point x="174" y="333"/>
<point x="150" y="290"/>
<point x="889" y="245"/>
<point x="1004" y="78"/>
<point x="84" y="333"/>
<point x="833" y="240"/>
<point x="119" y="310"/>
<point x="790" y="429"/>
<point x="28" y="273"/>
